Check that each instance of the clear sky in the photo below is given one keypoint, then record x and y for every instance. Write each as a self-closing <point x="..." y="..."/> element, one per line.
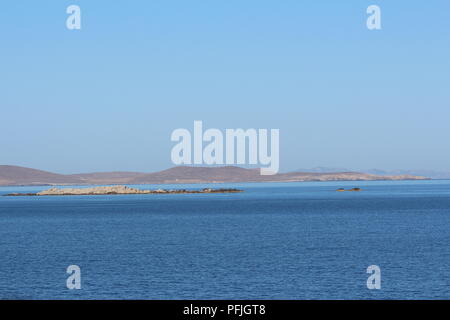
<point x="108" y="96"/>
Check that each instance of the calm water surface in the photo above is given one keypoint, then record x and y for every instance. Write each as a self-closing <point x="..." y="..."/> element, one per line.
<point x="274" y="241"/>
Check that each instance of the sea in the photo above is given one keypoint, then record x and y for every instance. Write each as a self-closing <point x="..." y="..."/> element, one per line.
<point x="273" y="241"/>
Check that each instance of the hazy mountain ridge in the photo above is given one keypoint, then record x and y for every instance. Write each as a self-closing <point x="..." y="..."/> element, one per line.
<point x="432" y="174"/>
<point x="14" y="175"/>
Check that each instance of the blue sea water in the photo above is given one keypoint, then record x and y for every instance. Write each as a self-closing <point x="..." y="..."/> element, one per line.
<point x="273" y="241"/>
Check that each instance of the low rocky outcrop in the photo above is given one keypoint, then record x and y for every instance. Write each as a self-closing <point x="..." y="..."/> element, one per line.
<point x="351" y="190"/>
<point x="113" y="190"/>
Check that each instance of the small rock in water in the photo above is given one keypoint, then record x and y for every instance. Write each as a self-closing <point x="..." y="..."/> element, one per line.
<point x="353" y="189"/>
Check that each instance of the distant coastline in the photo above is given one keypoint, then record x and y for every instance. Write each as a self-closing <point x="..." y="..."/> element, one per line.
<point x="21" y="176"/>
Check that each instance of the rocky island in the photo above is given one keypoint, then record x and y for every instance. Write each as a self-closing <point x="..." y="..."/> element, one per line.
<point x="117" y="190"/>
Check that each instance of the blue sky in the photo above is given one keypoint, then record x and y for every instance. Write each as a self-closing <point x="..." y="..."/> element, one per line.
<point x="107" y="97"/>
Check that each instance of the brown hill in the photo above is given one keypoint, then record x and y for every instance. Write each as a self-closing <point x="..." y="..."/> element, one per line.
<point x="13" y="175"/>
<point x="185" y="174"/>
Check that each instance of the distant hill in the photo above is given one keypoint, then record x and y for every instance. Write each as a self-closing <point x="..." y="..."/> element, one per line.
<point x="184" y="174"/>
<point x="13" y="175"/>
